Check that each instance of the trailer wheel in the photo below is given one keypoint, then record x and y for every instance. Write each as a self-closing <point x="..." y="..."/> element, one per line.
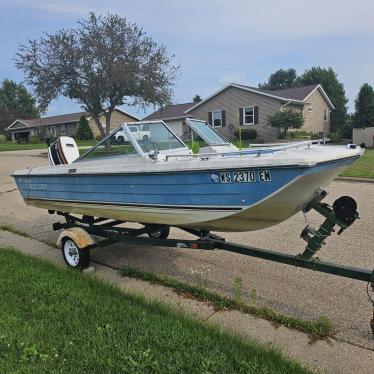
<point x="158" y="233"/>
<point x="74" y="256"/>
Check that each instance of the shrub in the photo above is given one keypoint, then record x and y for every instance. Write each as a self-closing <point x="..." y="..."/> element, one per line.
<point x="363" y="145"/>
<point x="34" y="139"/>
<point x="335" y="137"/>
<point x="98" y="138"/>
<point x="286" y="120"/>
<point x="2" y="139"/>
<point x="247" y="134"/>
<point x="84" y="130"/>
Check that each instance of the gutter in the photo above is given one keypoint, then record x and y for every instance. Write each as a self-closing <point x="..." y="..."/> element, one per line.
<point x="283" y="105"/>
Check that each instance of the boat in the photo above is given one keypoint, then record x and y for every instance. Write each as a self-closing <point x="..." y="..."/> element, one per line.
<point x="158" y="180"/>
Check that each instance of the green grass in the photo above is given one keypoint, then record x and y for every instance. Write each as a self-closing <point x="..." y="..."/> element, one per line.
<point x="56" y="320"/>
<point x="320" y="329"/>
<point x="363" y="167"/>
<point x="21" y="147"/>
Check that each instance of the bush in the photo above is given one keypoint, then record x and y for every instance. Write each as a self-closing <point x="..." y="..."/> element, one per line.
<point x="286" y="120"/>
<point x="34" y="139"/>
<point x="2" y="139"/>
<point x="84" y="130"/>
<point x="363" y="145"/>
<point x="247" y="134"/>
<point x="98" y="138"/>
<point x="335" y="137"/>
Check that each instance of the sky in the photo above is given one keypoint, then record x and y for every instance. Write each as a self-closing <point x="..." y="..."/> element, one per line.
<point x="216" y="42"/>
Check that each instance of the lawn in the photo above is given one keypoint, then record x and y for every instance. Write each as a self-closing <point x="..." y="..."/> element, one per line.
<point x="57" y="320"/>
<point x="363" y="167"/>
<point x="21" y="147"/>
<point x="9" y="146"/>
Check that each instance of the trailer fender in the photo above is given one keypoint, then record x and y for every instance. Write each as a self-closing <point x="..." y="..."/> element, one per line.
<point x="81" y="237"/>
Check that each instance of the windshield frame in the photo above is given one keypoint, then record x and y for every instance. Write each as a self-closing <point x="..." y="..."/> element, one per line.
<point x="139" y="148"/>
<point x="125" y="127"/>
<point x="98" y="144"/>
<point x="193" y="127"/>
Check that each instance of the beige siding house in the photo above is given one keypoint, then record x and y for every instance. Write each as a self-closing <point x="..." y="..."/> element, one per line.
<point x="250" y="107"/>
<point x="62" y="125"/>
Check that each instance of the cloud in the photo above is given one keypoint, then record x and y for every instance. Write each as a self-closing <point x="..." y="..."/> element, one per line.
<point x="219" y="41"/>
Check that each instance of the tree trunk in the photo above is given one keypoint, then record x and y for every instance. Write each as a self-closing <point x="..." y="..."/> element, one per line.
<point x="108" y="116"/>
<point x="99" y="126"/>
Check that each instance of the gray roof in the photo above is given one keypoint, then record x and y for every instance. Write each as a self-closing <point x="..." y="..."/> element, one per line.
<point x="295" y="93"/>
<point x="170" y="111"/>
<point x="53" y="120"/>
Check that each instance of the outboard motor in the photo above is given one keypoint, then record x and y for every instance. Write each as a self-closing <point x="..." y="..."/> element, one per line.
<point x="63" y="151"/>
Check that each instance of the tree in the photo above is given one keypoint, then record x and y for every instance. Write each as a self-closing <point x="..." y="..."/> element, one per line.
<point x="334" y="89"/>
<point x="84" y="131"/>
<point x="364" y="107"/>
<point x="286" y="120"/>
<point x="16" y="102"/>
<point x="280" y="79"/>
<point x="104" y="62"/>
<point x="197" y="99"/>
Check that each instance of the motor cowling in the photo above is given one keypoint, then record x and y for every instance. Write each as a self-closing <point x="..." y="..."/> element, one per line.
<point x="63" y="151"/>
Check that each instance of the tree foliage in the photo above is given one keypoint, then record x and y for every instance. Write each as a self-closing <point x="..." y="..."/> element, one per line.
<point x="326" y="77"/>
<point x="84" y="131"/>
<point x="104" y="62"/>
<point x="197" y="99"/>
<point x="16" y="102"/>
<point x="364" y="107"/>
<point x="280" y="79"/>
<point x="286" y="120"/>
<point x="334" y="89"/>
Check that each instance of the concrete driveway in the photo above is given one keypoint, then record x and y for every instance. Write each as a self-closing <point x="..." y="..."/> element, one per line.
<point x="294" y="291"/>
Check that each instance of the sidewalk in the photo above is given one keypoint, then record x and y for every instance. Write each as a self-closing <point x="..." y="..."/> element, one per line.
<point x="334" y="356"/>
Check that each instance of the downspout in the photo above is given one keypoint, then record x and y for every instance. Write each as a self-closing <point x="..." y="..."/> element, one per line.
<point x="288" y="102"/>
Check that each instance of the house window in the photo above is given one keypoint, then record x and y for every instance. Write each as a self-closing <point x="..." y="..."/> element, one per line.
<point x="63" y="129"/>
<point x="52" y="130"/>
<point x="217" y="118"/>
<point x="310" y="109"/>
<point x="325" y="115"/>
<point x="248" y="117"/>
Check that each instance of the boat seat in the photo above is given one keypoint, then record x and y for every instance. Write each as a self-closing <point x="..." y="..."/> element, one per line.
<point x="63" y="151"/>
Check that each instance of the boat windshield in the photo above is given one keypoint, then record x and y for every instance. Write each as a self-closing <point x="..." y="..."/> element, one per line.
<point x="205" y="132"/>
<point x="115" y="145"/>
<point x="154" y="136"/>
<point x="135" y="139"/>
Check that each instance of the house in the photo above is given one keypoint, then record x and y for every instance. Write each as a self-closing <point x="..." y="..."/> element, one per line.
<point x="65" y="124"/>
<point x="250" y="106"/>
<point x="363" y="135"/>
<point x="173" y="115"/>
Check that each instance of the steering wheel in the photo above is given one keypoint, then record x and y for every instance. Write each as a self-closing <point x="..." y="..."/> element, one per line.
<point x="151" y="146"/>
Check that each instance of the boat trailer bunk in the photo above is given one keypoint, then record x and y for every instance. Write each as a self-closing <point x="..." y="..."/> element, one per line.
<point x="82" y="234"/>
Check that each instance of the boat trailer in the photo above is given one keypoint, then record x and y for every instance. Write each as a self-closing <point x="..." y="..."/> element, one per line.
<point x="82" y="234"/>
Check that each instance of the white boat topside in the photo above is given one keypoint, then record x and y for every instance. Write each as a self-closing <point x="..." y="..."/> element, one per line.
<point x="306" y="156"/>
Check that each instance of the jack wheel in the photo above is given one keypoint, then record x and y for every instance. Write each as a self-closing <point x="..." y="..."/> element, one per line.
<point x="74" y="256"/>
<point x="158" y="233"/>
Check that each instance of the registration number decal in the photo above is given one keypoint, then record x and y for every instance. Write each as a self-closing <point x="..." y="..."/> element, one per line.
<point x="249" y="176"/>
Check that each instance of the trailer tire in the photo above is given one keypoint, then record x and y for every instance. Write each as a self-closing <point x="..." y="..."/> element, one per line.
<point x="75" y="257"/>
<point x="158" y="233"/>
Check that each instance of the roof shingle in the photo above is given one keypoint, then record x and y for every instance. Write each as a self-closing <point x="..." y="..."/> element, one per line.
<point x="170" y="111"/>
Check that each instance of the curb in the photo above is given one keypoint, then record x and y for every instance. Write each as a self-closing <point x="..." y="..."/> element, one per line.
<point x="354" y="180"/>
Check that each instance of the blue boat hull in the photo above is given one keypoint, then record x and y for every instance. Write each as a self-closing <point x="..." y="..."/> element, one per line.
<point x="221" y="200"/>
